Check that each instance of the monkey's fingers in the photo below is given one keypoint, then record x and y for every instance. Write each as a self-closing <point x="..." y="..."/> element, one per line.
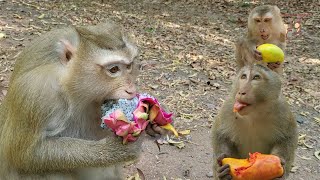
<point x="283" y="162"/>
<point x="223" y="168"/>
<point x="227" y="177"/>
<point x="154" y="130"/>
<point x="224" y="172"/>
<point x="280" y="178"/>
<point x="274" y="65"/>
<point x="257" y="55"/>
<point x="220" y="157"/>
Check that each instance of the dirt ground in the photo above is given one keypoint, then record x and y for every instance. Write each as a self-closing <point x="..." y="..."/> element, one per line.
<point x="187" y="60"/>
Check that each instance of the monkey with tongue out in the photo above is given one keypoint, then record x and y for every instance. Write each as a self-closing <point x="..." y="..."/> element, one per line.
<point x="254" y="118"/>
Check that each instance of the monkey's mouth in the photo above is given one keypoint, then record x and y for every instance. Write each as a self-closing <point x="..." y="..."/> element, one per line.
<point x="264" y="37"/>
<point x="238" y="106"/>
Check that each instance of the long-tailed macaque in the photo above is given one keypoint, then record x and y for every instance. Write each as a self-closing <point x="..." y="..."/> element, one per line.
<point x="265" y="25"/>
<point x="255" y="118"/>
<point x="50" y="118"/>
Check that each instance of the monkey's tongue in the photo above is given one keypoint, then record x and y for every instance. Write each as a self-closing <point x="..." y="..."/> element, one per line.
<point x="238" y="106"/>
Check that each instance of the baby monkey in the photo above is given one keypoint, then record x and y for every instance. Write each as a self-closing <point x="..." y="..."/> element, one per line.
<point x="262" y="122"/>
<point x="265" y="25"/>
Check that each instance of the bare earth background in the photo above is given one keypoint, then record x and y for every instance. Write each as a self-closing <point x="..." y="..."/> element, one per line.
<point x="187" y="60"/>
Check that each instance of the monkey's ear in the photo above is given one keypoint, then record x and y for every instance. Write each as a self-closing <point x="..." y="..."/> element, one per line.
<point x="276" y="9"/>
<point x="68" y="51"/>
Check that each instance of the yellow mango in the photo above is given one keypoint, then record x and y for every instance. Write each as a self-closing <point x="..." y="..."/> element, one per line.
<point x="271" y="53"/>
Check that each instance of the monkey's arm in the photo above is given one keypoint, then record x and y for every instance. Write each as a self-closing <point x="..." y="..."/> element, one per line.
<point x="64" y="154"/>
<point x="222" y="148"/>
<point x="285" y="148"/>
<point x="244" y="52"/>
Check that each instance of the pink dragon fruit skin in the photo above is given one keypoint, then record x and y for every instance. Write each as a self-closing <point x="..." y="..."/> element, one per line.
<point x="157" y="115"/>
<point x="118" y="122"/>
<point x="148" y="110"/>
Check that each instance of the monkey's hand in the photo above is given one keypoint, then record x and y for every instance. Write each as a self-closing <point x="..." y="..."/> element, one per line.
<point x="283" y="163"/>
<point x="223" y="171"/>
<point x="257" y="55"/>
<point x="154" y="130"/>
<point x="275" y="65"/>
<point x="118" y="151"/>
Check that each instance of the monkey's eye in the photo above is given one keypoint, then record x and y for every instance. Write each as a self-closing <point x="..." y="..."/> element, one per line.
<point x="114" y="69"/>
<point x="267" y="20"/>
<point x="243" y="76"/>
<point x="256" y="77"/>
<point x="258" y="20"/>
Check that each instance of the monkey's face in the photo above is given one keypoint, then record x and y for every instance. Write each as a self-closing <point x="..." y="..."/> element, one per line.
<point x="255" y="85"/>
<point x="123" y="77"/>
<point x="263" y="26"/>
<point x="97" y="74"/>
<point x="117" y="73"/>
<point x="265" y="22"/>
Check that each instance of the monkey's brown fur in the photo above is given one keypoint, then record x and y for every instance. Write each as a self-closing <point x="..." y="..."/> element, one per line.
<point x="266" y="125"/>
<point x="50" y="118"/>
<point x="271" y="25"/>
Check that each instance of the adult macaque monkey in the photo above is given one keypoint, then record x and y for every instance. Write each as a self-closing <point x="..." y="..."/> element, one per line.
<point x="265" y="25"/>
<point x="262" y="121"/>
<point x="50" y="118"/>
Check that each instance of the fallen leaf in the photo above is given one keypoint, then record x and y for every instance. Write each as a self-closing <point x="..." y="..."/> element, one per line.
<point x="2" y="35"/>
<point x="302" y="136"/>
<point x="317" y="154"/>
<point x="317" y="120"/>
<point x="294" y="169"/>
<point x="17" y="39"/>
<point x="304" y="157"/>
<point x="162" y="141"/>
<point x="184" y="132"/>
<point x="304" y="113"/>
<point x="180" y="145"/>
<point x="170" y="141"/>
<point x="154" y="86"/>
<point x="307" y="145"/>
<point x="134" y="177"/>
<point x="141" y="175"/>
<point x="41" y="16"/>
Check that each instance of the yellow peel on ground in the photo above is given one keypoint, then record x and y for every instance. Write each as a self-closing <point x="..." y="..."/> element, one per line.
<point x="184" y="132"/>
<point x="271" y="53"/>
<point x="170" y="128"/>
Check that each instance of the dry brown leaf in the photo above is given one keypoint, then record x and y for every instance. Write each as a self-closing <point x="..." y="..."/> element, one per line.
<point x="317" y="154"/>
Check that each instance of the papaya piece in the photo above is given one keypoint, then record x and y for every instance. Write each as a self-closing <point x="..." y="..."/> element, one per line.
<point x="257" y="167"/>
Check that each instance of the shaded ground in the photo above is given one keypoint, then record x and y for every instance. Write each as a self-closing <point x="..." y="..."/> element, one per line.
<point x="187" y="59"/>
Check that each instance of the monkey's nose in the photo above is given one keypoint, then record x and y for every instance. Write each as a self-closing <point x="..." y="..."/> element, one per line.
<point x="242" y="93"/>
